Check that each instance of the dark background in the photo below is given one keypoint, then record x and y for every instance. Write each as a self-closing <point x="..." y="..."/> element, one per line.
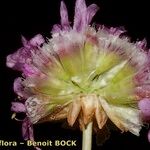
<point x="30" y="17"/>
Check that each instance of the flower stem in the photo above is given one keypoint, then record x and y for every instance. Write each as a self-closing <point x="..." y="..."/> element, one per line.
<point x="87" y="137"/>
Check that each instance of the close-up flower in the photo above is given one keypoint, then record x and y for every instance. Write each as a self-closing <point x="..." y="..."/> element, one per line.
<point x="84" y="73"/>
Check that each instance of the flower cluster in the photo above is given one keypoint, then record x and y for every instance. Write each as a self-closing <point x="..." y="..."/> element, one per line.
<point x="83" y="73"/>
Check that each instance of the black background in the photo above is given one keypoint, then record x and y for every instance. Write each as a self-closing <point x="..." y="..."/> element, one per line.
<point x="30" y="17"/>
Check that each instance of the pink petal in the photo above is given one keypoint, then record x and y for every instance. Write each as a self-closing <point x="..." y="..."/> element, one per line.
<point x="24" y="41"/>
<point x="31" y="134"/>
<point x="141" y="44"/>
<point x="91" y="11"/>
<point x="19" y="58"/>
<point x="56" y="28"/>
<point x="13" y="59"/>
<point x="27" y="130"/>
<point x="64" y="16"/>
<point x="116" y="31"/>
<point x="37" y="148"/>
<point x="25" y="133"/>
<point x="18" y="107"/>
<point x="18" y="87"/>
<point x="80" y="15"/>
<point x="144" y="106"/>
<point x="24" y="54"/>
<point x="149" y="135"/>
<point x="30" y="70"/>
<point x="37" y="40"/>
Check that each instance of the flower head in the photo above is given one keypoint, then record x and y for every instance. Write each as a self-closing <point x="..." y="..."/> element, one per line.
<point x="83" y="74"/>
